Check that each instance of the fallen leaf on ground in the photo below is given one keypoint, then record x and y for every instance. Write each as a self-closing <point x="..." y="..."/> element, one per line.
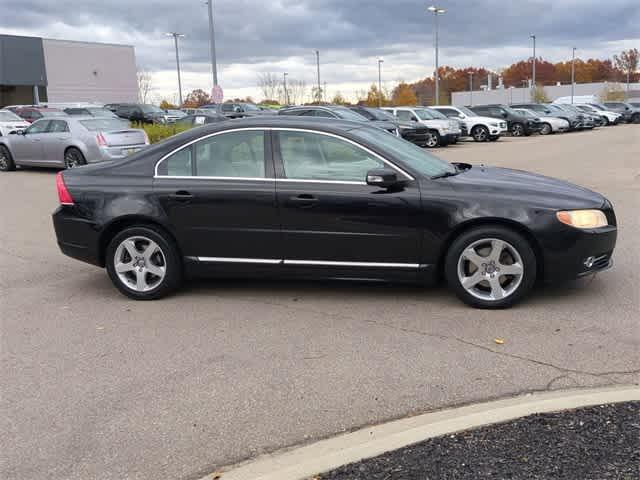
<point x="499" y="341"/>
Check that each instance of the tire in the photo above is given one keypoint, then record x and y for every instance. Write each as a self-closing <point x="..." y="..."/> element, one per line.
<point x="546" y="129"/>
<point x="480" y="133"/>
<point x="6" y="160"/>
<point x="605" y="121"/>
<point x="144" y="274"/>
<point x="635" y="118"/>
<point x="73" y="158"/>
<point x="433" y="140"/>
<point x="517" y="130"/>
<point x="491" y="288"/>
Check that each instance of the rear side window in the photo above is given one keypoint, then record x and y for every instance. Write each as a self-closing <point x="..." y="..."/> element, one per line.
<point x="322" y="113"/>
<point x="179" y="164"/>
<point x="448" y="112"/>
<point x="228" y="107"/>
<point x="38" y="127"/>
<point x="233" y="154"/>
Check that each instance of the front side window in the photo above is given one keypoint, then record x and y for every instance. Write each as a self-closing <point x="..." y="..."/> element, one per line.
<point x="228" y="107"/>
<point x="448" y="112"/>
<point x="38" y="127"/>
<point x="233" y="154"/>
<point x="313" y="156"/>
<point x="57" y="126"/>
<point x="406" y="115"/>
<point x="323" y="114"/>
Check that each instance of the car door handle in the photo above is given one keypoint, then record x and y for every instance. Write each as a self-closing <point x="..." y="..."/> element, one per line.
<point x="304" y="200"/>
<point x="181" y="196"/>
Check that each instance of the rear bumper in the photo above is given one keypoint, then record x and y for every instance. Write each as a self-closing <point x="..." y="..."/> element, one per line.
<point x="77" y="237"/>
<point x="122" y="151"/>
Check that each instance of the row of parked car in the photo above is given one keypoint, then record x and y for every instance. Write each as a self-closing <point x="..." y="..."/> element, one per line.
<point x="75" y="134"/>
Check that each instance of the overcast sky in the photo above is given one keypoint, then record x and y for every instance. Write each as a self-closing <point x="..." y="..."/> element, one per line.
<point x="255" y="36"/>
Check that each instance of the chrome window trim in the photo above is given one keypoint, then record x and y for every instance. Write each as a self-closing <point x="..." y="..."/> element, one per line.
<point x="279" y="129"/>
<point x="327" y="263"/>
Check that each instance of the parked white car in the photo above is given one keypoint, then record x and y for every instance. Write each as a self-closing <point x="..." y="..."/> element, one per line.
<point x="549" y="124"/>
<point x="10" y="122"/>
<point x="480" y="128"/>
<point x="608" y="117"/>
<point x="446" y="130"/>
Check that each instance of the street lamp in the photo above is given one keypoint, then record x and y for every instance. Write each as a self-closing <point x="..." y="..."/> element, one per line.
<point x="533" y="72"/>
<point x="286" y="93"/>
<point x="436" y="12"/>
<point x="380" y="62"/>
<point x="175" y="36"/>
<point x="573" y="72"/>
<point x="318" y="68"/>
<point x="471" y="88"/>
<point x="212" y="44"/>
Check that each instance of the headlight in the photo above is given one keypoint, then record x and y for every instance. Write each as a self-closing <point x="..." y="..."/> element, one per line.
<point x="583" y="218"/>
<point x="493" y="125"/>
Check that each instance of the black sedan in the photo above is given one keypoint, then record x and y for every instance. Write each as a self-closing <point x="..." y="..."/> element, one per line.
<point x="420" y="135"/>
<point x="326" y="198"/>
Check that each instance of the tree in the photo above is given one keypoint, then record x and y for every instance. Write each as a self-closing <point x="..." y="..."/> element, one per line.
<point x="317" y="93"/>
<point x="627" y="62"/>
<point x="145" y="85"/>
<point x="297" y="91"/>
<point x="196" y="99"/>
<point x="403" y="95"/>
<point x="269" y="84"/>
<point x="165" y="105"/>
<point x="338" y="99"/>
<point x="376" y="97"/>
<point x="612" y="93"/>
<point x="539" y="95"/>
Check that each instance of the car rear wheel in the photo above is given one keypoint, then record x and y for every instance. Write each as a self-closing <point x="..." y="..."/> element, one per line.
<point x="73" y="158"/>
<point x="433" y="139"/>
<point x="635" y="118"/>
<point x="480" y="133"/>
<point x="490" y="267"/>
<point x="546" y="129"/>
<point x="6" y="160"/>
<point x="143" y="263"/>
<point x="517" y="130"/>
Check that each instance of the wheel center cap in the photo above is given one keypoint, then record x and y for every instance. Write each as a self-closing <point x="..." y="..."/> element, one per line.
<point x="491" y="268"/>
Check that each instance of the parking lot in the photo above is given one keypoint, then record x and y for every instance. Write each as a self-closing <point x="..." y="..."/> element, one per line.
<point x="98" y="386"/>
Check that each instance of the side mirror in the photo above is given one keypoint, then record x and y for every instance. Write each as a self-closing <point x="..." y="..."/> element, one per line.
<point x="382" y="177"/>
<point x="18" y="132"/>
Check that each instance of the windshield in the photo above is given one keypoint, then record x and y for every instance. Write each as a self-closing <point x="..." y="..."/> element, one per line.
<point x="150" y="109"/>
<point x="598" y="106"/>
<point x="101" y="112"/>
<point x="424" y="114"/>
<point x="437" y="114"/>
<point x="347" y="114"/>
<point x="50" y="113"/>
<point x="410" y="154"/>
<point x="7" y="116"/>
<point x="378" y="114"/>
<point x="524" y="112"/>
<point x="468" y="112"/>
<point x="104" y="124"/>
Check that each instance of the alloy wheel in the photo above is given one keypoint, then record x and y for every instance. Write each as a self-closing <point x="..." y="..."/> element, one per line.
<point x="490" y="269"/>
<point x="517" y="130"/>
<point x="546" y="129"/>
<point x="480" y="134"/>
<point x="432" y="140"/>
<point x="140" y="263"/>
<point x="3" y="161"/>
<point x="72" y="159"/>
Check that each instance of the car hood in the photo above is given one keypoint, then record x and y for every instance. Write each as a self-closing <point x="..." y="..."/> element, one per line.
<point x="541" y="190"/>
<point x="16" y="124"/>
<point x="384" y="124"/>
<point x="478" y="118"/>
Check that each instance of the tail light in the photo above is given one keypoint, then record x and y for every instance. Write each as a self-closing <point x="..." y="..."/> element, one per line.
<point x="63" y="194"/>
<point x="102" y="142"/>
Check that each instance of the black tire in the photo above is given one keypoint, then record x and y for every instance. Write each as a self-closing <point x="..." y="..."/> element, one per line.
<point x="170" y="257"/>
<point x="6" y="160"/>
<point x="635" y="118"/>
<point x="520" y="287"/>
<point x="517" y="130"/>
<point x="480" y="133"/>
<point x="73" y="158"/>
<point x="546" y="129"/>
<point x="605" y="121"/>
<point x="434" y="140"/>
<point x="494" y="138"/>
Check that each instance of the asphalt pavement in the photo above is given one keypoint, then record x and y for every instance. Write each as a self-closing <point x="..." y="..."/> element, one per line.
<point x="96" y="386"/>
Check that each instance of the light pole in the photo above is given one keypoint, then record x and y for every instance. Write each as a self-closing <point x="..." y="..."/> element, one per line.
<point x="573" y="72"/>
<point x="533" y="71"/>
<point x="284" y="83"/>
<point x="436" y="11"/>
<point x="380" y="62"/>
<point x="212" y="44"/>
<point x="471" y="88"/>
<point x="318" y="68"/>
<point x="175" y="36"/>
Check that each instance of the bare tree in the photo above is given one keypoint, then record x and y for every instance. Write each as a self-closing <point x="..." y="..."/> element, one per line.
<point x="145" y="85"/>
<point x="269" y="84"/>
<point x="297" y="91"/>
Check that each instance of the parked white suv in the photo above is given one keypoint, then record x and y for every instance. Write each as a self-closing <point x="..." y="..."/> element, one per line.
<point x="10" y="122"/>
<point x="445" y="131"/>
<point x="480" y="128"/>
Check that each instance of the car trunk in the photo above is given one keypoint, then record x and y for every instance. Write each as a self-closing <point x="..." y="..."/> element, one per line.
<point x="118" y="138"/>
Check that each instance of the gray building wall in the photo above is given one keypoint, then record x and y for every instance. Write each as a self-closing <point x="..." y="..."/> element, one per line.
<point x="90" y="72"/>
<point x="523" y="95"/>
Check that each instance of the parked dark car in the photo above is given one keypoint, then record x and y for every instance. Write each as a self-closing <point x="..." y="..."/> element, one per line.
<point x="112" y="106"/>
<point x="237" y="109"/>
<point x="31" y="114"/>
<point x="518" y="124"/>
<point x="418" y="135"/>
<point x="201" y="119"/>
<point x="544" y="110"/>
<point x="338" y="112"/>
<point x="141" y="112"/>
<point x="319" y="198"/>
<point x="630" y="114"/>
<point x="587" y="121"/>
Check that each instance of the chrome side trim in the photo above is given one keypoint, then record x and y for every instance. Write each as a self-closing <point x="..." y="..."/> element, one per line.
<point x="239" y="179"/>
<point x="292" y="129"/>
<point x="268" y="261"/>
<point x="352" y="264"/>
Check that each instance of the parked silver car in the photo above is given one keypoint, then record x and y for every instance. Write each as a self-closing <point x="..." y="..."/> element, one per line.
<point x="70" y="142"/>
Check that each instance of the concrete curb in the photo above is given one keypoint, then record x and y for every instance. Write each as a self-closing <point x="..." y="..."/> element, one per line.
<point x="322" y="456"/>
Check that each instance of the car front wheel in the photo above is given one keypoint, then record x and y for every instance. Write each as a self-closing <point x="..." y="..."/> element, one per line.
<point x="6" y="160"/>
<point x="490" y="267"/>
<point x="546" y="129"/>
<point x="433" y="139"/>
<point x="480" y="133"/>
<point x="143" y="263"/>
<point x="517" y="130"/>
